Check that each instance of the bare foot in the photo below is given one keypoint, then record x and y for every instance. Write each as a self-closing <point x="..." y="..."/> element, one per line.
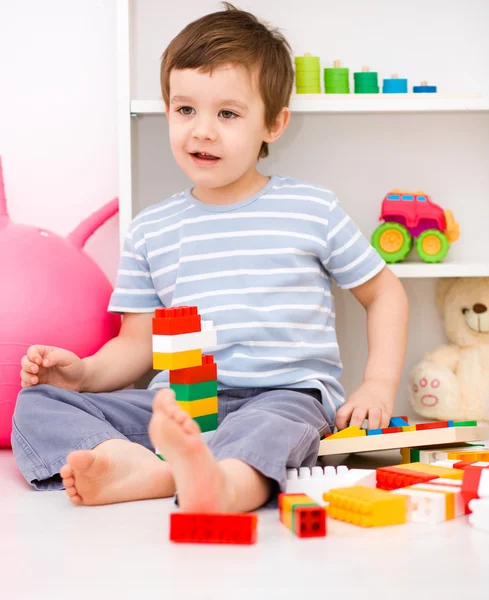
<point x="116" y="471"/>
<point x="201" y="484"/>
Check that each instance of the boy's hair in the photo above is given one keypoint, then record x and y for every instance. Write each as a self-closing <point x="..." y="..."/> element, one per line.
<point x="236" y="37"/>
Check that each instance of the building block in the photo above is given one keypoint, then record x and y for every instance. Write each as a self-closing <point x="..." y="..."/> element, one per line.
<point x="435" y="425"/>
<point x="391" y="430"/>
<point x="302" y="515"/>
<point x="316" y="481"/>
<point x="405" y="475"/>
<point x="176" y="320"/>
<point x="194" y="391"/>
<point x="213" y="528"/>
<point x="207" y="371"/>
<point x="163" y="361"/>
<point x="367" y="507"/>
<point x="465" y="423"/>
<point x="348" y="432"/>
<point x="475" y="483"/>
<point x="424" y="88"/>
<point x="207" y="422"/>
<point x="480" y="514"/>
<point x="375" y="431"/>
<point x="399" y="422"/>
<point x="405" y="439"/>
<point x="207" y="338"/>
<point x="460" y="464"/>
<point x="200" y="408"/>
<point x="433" y="503"/>
<point x="434" y="454"/>
<point x="408" y="428"/>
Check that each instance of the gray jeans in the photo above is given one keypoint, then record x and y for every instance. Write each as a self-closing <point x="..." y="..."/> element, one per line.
<point x="269" y="429"/>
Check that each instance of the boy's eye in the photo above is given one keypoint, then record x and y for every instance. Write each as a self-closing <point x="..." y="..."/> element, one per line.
<point x="185" y="110"/>
<point x="227" y="114"/>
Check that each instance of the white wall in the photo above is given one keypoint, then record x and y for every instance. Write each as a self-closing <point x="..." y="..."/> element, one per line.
<point x="360" y="156"/>
<point x="58" y="138"/>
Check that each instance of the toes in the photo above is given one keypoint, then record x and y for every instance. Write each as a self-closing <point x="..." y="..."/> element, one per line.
<point x="76" y="500"/>
<point x="80" y="460"/>
<point x="71" y="491"/>
<point x="163" y="400"/>
<point x="68" y="482"/>
<point x="66" y="471"/>
<point x="190" y="426"/>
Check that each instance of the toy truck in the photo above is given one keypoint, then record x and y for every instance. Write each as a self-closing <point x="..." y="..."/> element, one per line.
<point x="412" y="216"/>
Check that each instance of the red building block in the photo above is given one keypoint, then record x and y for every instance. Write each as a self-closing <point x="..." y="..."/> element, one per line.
<point x="310" y="521"/>
<point x="173" y="321"/>
<point x="470" y="484"/>
<point x="392" y="478"/>
<point x="205" y="372"/>
<point x="435" y="425"/>
<point x="392" y="430"/>
<point x="196" y="528"/>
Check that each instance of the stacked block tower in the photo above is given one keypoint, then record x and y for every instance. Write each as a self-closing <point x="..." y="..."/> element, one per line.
<point x="179" y="336"/>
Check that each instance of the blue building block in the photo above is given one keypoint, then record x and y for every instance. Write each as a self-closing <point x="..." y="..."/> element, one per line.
<point x="374" y="431"/>
<point x="397" y="422"/>
<point x="424" y="89"/>
<point x="395" y="86"/>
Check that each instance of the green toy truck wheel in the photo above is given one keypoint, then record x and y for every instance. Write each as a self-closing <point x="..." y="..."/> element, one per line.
<point x="392" y="241"/>
<point x="432" y="246"/>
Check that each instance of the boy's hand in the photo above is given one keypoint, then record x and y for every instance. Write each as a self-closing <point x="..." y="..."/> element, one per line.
<point x="55" y="366"/>
<point x="373" y="400"/>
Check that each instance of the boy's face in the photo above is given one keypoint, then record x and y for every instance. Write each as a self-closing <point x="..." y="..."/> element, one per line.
<point x="216" y="124"/>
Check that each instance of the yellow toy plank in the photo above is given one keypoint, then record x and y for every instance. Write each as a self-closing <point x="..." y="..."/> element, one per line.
<point x="367" y="507"/>
<point x="404" y="439"/>
<point x="348" y="432"/>
<point x="199" y="408"/>
<point x="169" y="361"/>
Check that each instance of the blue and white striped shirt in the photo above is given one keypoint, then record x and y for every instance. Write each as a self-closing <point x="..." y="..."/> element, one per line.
<point x="261" y="269"/>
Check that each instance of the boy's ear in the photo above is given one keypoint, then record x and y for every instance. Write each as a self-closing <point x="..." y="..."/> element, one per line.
<point x="279" y="126"/>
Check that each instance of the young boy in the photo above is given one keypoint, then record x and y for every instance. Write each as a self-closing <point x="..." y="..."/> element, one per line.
<point x="256" y="254"/>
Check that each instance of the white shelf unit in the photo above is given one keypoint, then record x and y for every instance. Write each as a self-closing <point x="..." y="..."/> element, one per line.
<point x="446" y="134"/>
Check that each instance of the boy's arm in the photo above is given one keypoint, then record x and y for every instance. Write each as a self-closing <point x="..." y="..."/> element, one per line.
<point x="386" y="304"/>
<point x="122" y="360"/>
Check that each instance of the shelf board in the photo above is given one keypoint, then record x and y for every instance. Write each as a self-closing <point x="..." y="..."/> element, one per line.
<point x="358" y="103"/>
<point x="411" y="270"/>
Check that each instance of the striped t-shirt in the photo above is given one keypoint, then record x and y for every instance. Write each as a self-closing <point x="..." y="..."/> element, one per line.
<point x="261" y="269"/>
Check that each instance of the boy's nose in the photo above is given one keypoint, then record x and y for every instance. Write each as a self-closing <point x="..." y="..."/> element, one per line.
<point x="203" y="130"/>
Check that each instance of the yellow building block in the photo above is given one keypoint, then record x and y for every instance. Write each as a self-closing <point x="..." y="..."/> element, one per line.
<point x="405" y="455"/>
<point x="199" y="408"/>
<point x="367" y="507"/>
<point x="432" y="470"/>
<point x="163" y="361"/>
<point x="349" y="432"/>
<point x="469" y="455"/>
<point x="288" y="502"/>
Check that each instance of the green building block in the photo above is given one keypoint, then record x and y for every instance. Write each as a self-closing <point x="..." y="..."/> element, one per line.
<point x="465" y="423"/>
<point x="207" y="423"/>
<point x="194" y="391"/>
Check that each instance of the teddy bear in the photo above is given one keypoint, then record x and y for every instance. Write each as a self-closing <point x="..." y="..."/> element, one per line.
<point x="452" y="381"/>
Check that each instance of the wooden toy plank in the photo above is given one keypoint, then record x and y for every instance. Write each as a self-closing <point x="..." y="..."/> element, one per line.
<point x="392" y="441"/>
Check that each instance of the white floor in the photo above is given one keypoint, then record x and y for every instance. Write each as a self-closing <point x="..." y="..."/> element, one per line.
<point x="51" y="549"/>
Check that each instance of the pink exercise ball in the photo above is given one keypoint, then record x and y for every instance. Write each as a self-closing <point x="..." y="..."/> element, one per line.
<point x="53" y="293"/>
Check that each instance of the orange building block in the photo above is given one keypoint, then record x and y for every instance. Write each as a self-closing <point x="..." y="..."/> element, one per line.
<point x="404" y="475"/>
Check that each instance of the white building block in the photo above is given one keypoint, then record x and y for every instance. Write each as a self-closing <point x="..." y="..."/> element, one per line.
<point x="207" y="338"/>
<point x="479" y="517"/>
<point x="316" y="481"/>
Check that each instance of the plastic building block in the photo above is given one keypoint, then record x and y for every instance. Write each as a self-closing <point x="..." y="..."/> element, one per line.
<point x="213" y="528"/>
<point x="412" y="218"/>
<point x="176" y="360"/>
<point x="424" y="88"/>
<point x="368" y="507"/>
<point x="207" y="422"/>
<point x="316" y="481"/>
<point x="432" y="455"/>
<point x="405" y="475"/>
<point x="177" y="320"/>
<point x="405" y="439"/>
<point x="200" y="408"/>
<point x="374" y="432"/>
<point x="434" y="425"/>
<point x="465" y="423"/>
<point x="207" y="371"/>
<point x="207" y="338"/>
<point x="302" y="515"/>
<point x="395" y="85"/>
<point x="194" y="391"/>
<point x="475" y="483"/>
<point x="408" y="428"/>
<point x="348" y="432"/>
<point x="480" y="514"/>
<point x="433" y="503"/>
<point x="399" y="422"/>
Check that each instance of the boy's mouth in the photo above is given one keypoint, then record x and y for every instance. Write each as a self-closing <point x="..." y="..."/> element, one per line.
<point x="204" y="158"/>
